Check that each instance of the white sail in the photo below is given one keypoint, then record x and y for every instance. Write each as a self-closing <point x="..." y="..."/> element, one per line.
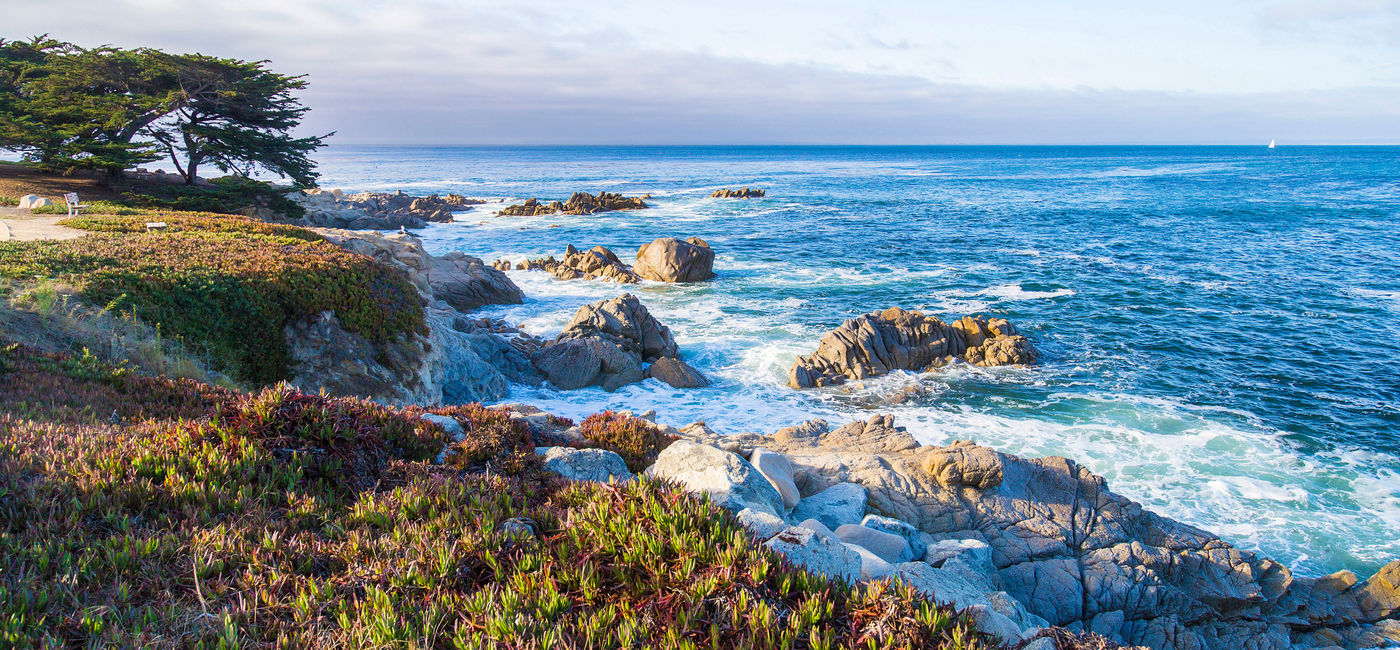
<point x="1271" y="143"/>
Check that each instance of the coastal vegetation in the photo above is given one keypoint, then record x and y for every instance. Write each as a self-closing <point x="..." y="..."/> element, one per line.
<point x="65" y="107"/>
<point x="225" y="285"/>
<point x="148" y="511"/>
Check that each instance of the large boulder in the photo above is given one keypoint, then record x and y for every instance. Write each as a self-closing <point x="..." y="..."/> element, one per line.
<point x="880" y="342"/>
<point x="575" y="363"/>
<point x="890" y="548"/>
<point x="593" y="264"/>
<point x="728" y="479"/>
<point x="466" y="283"/>
<point x="32" y="201"/>
<point x="672" y="260"/>
<point x="776" y="468"/>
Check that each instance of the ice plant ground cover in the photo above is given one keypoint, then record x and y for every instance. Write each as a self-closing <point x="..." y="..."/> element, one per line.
<point x="155" y="512"/>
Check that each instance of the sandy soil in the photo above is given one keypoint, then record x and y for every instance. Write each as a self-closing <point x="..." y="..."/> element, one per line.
<point x="20" y="225"/>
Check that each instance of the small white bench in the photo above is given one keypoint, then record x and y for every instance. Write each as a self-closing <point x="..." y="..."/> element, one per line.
<point x="71" y="199"/>
<point x="155" y="225"/>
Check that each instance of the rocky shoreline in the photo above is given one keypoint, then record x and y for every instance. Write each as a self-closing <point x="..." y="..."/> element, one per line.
<point x="1022" y="544"/>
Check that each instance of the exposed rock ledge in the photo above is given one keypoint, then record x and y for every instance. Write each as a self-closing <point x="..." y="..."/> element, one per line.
<point x="610" y="344"/>
<point x="377" y="210"/>
<point x="595" y="263"/>
<point x="458" y="360"/>
<point x="579" y="203"/>
<point x="745" y="193"/>
<point x="1022" y="543"/>
<point x="880" y="342"/>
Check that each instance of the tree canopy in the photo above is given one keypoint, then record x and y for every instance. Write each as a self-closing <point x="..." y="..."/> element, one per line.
<point x="110" y="109"/>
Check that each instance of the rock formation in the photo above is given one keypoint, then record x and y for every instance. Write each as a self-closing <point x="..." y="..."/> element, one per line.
<point x="1027" y="543"/>
<point x="579" y="203"/>
<point x="459" y="359"/>
<point x="594" y="263"/>
<point x="880" y="342"/>
<point x="377" y="210"/>
<point x="745" y="193"/>
<point x="607" y="344"/>
<point x="672" y="260"/>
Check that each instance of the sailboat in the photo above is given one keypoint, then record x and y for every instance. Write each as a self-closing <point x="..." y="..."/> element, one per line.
<point x="1271" y="143"/>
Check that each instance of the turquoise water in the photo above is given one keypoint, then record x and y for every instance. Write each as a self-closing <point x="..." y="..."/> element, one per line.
<point x="1219" y="324"/>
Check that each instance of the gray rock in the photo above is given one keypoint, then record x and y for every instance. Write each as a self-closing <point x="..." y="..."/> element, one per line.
<point x="448" y="424"/>
<point x="576" y="363"/>
<point x="599" y="465"/>
<point x="872" y="566"/>
<point x="817" y="553"/>
<point x="626" y="322"/>
<point x="762" y="524"/>
<point x="466" y="282"/>
<point x="940" y="585"/>
<point x="1043" y="643"/>
<point x="911" y="535"/>
<point x="672" y="260"/>
<point x="776" y="468"/>
<point x="819" y="528"/>
<point x="518" y="527"/>
<point x="843" y="503"/>
<point x="676" y="373"/>
<point x="975" y="553"/>
<point x="729" y="480"/>
<point x="890" y="548"/>
<point x="988" y="621"/>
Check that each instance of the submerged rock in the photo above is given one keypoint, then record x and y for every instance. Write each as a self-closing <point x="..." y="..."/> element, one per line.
<point x="672" y="260"/>
<point x="880" y="342"/>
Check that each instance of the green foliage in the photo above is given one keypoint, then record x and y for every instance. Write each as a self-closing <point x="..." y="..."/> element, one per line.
<point x="230" y="194"/>
<point x="224" y="285"/>
<point x="279" y="519"/>
<point x="636" y="440"/>
<point x="93" y="207"/>
<point x="9" y="201"/>
<point x="493" y="440"/>
<point x="133" y="221"/>
<point x="67" y="107"/>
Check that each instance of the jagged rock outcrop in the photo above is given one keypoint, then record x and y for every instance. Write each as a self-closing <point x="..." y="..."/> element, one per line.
<point x="459" y="360"/>
<point x="880" y="342"/>
<point x="579" y="203"/>
<point x="1049" y="535"/>
<point x="608" y="344"/>
<point x="673" y="260"/>
<point x="377" y="210"/>
<point x="595" y="263"/>
<point x="676" y="373"/>
<point x="745" y="193"/>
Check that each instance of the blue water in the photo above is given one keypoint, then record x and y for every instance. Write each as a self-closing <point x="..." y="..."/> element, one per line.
<point x="1219" y="324"/>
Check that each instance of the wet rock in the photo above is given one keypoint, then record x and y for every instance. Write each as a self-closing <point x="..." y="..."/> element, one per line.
<point x="744" y="193"/>
<point x="672" y="260"/>
<point x="580" y="203"/>
<point x="569" y="364"/>
<point x="729" y="480"/>
<point x="466" y="283"/>
<point x="676" y="373"/>
<point x="843" y="503"/>
<point x="880" y="342"/>
<point x="598" y="465"/>
<point x="605" y="344"/>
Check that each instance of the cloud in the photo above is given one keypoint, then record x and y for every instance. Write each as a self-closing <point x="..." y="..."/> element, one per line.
<point x="443" y="72"/>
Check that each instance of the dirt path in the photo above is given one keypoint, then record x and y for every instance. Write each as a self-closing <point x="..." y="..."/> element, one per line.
<point x="20" y="225"/>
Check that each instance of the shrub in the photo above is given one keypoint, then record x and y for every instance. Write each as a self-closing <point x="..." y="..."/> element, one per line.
<point x="227" y="293"/>
<point x="184" y="221"/>
<point x="9" y="201"/>
<point x="492" y="440"/>
<point x="636" y="440"/>
<point x="91" y="207"/>
<point x="228" y="195"/>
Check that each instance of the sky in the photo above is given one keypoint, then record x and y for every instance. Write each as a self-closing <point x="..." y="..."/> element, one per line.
<point x="788" y="72"/>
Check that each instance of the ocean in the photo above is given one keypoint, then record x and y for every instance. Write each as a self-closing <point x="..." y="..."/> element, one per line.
<point x="1220" y="326"/>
